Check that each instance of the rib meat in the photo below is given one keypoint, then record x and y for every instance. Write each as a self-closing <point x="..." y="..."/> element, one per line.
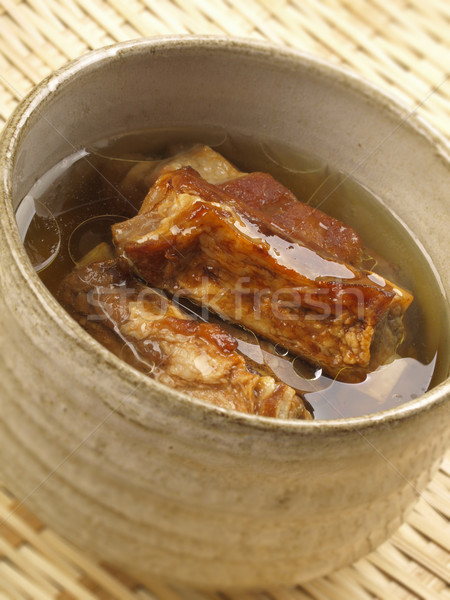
<point x="146" y="329"/>
<point x="262" y="196"/>
<point x="197" y="240"/>
<point x="134" y="183"/>
<point x="257" y="194"/>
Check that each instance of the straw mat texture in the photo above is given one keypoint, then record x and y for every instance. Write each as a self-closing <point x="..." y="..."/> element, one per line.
<point x="401" y="45"/>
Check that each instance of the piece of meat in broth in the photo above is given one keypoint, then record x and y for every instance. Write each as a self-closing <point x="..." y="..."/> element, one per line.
<point x="256" y="194"/>
<point x="197" y="241"/>
<point x="135" y="182"/>
<point x="260" y="195"/>
<point x="147" y="330"/>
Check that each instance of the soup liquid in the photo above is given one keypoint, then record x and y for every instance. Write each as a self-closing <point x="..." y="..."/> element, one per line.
<point x="72" y="207"/>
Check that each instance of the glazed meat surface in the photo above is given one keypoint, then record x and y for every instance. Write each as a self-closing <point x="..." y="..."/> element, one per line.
<point x="147" y="330"/>
<point x="212" y="245"/>
<point x="258" y="195"/>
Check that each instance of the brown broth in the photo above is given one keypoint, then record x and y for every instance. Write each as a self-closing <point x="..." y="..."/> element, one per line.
<point x="71" y="208"/>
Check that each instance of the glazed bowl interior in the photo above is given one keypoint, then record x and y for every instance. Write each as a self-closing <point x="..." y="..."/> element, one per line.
<point x="373" y="145"/>
<point x="361" y="132"/>
<point x="263" y="93"/>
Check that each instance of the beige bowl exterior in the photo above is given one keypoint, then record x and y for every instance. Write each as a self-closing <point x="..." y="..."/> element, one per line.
<point x="138" y="475"/>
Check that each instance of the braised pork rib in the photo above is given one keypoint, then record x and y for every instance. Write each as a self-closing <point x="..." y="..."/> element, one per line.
<point x="258" y="194"/>
<point x="147" y="330"/>
<point x="222" y="246"/>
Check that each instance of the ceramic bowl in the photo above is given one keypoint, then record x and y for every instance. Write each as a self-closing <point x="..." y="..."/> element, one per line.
<point x="145" y="478"/>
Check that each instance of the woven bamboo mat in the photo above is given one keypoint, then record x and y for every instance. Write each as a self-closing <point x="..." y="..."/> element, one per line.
<point x="402" y="45"/>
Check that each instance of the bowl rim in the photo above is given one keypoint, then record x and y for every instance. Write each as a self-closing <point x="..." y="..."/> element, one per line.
<point x="41" y="94"/>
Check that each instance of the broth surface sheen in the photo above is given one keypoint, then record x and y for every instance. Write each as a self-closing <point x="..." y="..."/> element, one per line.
<point x="71" y="208"/>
